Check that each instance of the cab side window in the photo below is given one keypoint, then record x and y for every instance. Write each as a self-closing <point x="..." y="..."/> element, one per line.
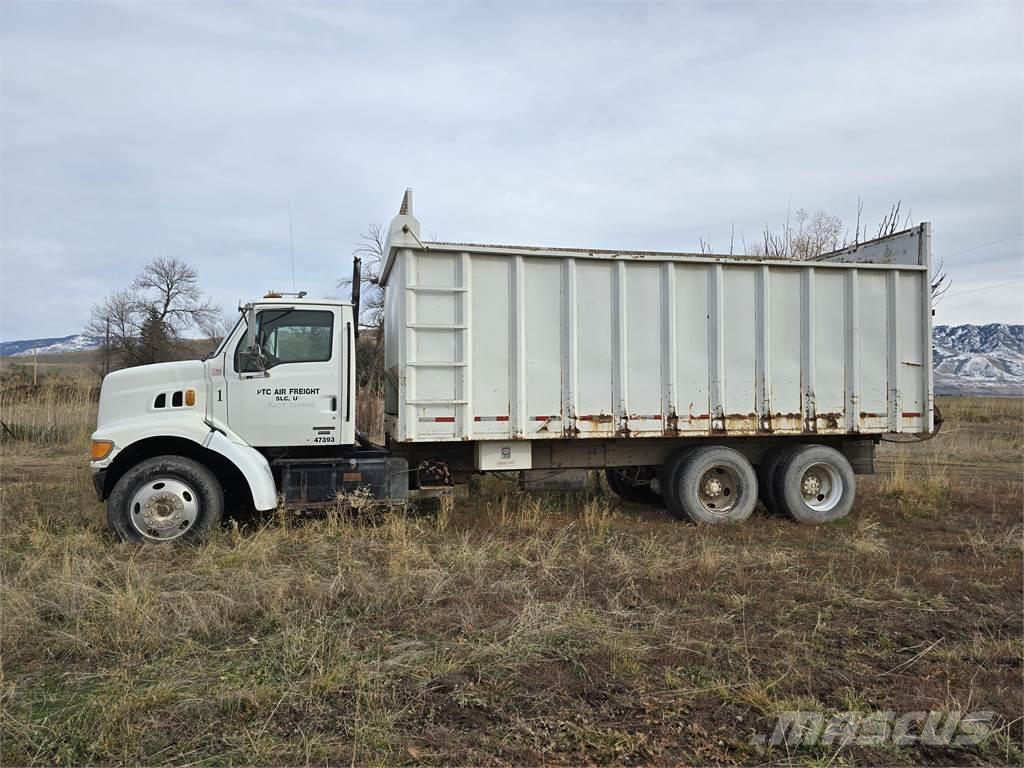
<point x="288" y="336"/>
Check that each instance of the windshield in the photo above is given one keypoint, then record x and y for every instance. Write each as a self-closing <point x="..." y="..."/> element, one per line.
<point x="288" y="335"/>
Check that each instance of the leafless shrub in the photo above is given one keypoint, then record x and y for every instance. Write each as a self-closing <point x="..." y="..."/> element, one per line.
<point x="814" y="234"/>
<point x="819" y="233"/>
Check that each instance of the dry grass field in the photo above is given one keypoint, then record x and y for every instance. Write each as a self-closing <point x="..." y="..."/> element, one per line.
<point x="509" y="629"/>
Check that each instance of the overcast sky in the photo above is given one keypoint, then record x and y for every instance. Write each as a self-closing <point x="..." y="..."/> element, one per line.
<point x="133" y="130"/>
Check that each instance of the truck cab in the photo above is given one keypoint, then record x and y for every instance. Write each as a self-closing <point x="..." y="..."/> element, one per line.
<point x="290" y="380"/>
<point x="270" y="413"/>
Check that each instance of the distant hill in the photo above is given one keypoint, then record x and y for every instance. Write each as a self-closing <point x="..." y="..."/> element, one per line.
<point x="53" y="346"/>
<point x="978" y="359"/>
<point x="967" y="359"/>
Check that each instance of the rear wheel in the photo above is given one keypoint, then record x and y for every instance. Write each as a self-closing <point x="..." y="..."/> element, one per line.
<point x="633" y="484"/>
<point x="815" y="484"/>
<point x="163" y="499"/>
<point x="712" y="484"/>
<point x="766" y="472"/>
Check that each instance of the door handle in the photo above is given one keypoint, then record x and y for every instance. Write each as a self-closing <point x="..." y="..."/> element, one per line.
<point x="334" y="403"/>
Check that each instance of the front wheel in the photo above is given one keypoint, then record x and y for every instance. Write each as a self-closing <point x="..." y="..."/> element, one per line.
<point x="164" y="499"/>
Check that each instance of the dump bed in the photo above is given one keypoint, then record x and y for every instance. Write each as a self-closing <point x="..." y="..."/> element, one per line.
<point x="488" y="342"/>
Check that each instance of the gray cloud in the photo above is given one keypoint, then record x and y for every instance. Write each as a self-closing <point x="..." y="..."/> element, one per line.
<point x="131" y="131"/>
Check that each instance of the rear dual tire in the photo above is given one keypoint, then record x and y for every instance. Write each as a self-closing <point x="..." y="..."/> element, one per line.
<point x="767" y="470"/>
<point x="813" y="484"/>
<point x="710" y="485"/>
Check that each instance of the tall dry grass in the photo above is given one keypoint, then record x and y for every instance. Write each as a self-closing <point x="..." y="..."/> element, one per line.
<point x="56" y="412"/>
<point x="370" y="410"/>
<point x="981" y="443"/>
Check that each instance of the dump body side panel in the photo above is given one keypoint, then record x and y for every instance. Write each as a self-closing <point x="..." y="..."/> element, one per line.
<point x="485" y="343"/>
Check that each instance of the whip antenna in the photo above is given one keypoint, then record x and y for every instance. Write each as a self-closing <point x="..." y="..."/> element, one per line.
<point x="291" y="242"/>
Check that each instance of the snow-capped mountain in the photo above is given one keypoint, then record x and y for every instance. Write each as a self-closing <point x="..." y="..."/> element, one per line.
<point x="54" y="346"/>
<point x="978" y="359"/>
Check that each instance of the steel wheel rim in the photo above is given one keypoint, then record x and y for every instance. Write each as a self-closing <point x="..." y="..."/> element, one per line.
<point x="718" y="490"/>
<point x="164" y="509"/>
<point x="821" y="487"/>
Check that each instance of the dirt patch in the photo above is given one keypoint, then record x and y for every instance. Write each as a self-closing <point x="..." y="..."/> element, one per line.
<point x="34" y="469"/>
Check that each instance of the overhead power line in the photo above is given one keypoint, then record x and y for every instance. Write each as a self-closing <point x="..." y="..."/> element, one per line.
<point x="984" y="245"/>
<point x="985" y="288"/>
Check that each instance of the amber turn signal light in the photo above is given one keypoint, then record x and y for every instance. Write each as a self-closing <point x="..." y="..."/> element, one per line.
<point x="101" y="449"/>
<point x="190" y="397"/>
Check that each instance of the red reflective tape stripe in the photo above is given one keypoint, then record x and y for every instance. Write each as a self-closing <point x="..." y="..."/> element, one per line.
<point x="545" y="418"/>
<point x="910" y="414"/>
<point x="445" y="419"/>
<point x="490" y="418"/>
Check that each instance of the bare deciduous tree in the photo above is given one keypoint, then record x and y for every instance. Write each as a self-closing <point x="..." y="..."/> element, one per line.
<point x="171" y="288"/>
<point x="218" y="326"/>
<point x="162" y="303"/>
<point x="371" y="249"/>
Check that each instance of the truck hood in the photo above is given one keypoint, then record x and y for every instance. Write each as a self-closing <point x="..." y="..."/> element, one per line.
<point x="133" y="392"/>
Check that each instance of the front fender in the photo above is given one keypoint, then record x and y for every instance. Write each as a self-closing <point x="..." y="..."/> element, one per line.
<point x="252" y="464"/>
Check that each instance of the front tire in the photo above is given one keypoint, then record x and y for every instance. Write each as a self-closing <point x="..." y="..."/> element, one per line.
<point x="166" y="498"/>
<point x="711" y="485"/>
<point x="815" y="484"/>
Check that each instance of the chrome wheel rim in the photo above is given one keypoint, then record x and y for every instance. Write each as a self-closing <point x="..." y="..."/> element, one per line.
<point x="718" y="490"/>
<point x="821" y="487"/>
<point x="164" y="509"/>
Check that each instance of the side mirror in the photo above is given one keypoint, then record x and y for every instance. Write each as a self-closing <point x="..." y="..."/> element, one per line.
<point x="250" y="328"/>
<point x="254" y="360"/>
<point x="252" y="354"/>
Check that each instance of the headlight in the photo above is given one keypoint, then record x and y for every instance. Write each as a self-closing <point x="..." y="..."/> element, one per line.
<point x="101" y="449"/>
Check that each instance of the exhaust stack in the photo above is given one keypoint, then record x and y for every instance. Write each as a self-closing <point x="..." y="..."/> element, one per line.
<point x="357" y="270"/>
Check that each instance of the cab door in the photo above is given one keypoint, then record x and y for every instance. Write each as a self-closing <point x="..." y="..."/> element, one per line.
<point x="289" y="393"/>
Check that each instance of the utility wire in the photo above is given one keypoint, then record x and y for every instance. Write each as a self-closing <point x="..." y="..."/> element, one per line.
<point x="984" y="245"/>
<point x="986" y="287"/>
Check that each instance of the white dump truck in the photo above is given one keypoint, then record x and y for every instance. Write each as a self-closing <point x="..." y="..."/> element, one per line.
<point x="698" y="381"/>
